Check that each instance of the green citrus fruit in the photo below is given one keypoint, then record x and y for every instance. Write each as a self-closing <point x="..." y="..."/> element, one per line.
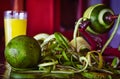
<point x="23" y="52"/>
<point x="96" y="14"/>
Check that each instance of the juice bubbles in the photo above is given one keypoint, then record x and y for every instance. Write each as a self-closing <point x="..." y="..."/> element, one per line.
<point x="15" y="23"/>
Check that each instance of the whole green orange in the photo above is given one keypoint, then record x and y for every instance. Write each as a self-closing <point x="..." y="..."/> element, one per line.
<point x="23" y="52"/>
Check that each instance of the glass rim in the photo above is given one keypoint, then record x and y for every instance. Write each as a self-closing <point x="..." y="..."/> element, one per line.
<point x="15" y="11"/>
<point x="15" y="14"/>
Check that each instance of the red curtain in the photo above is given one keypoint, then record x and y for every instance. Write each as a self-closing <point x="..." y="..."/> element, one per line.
<point x="43" y="16"/>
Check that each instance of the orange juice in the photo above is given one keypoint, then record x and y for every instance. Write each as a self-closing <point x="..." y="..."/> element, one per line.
<point x="14" y="27"/>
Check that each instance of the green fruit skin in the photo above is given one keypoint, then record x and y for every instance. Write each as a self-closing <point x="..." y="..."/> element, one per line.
<point x="23" y="52"/>
<point x="92" y="13"/>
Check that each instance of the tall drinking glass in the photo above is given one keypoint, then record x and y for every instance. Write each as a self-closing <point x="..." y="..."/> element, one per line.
<point x="15" y="23"/>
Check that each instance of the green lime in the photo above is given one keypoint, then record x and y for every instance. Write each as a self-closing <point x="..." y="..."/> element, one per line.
<point x="23" y="52"/>
<point x="96" y="14"/>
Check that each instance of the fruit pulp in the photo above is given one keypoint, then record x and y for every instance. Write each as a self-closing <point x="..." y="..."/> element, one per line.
<point x="14" y="27"/>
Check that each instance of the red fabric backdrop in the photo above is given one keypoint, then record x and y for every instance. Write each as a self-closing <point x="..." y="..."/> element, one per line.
<point x="42" y="17"/>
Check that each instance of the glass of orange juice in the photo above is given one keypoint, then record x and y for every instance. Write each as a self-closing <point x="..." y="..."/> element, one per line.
<point x="15" y="23"/>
